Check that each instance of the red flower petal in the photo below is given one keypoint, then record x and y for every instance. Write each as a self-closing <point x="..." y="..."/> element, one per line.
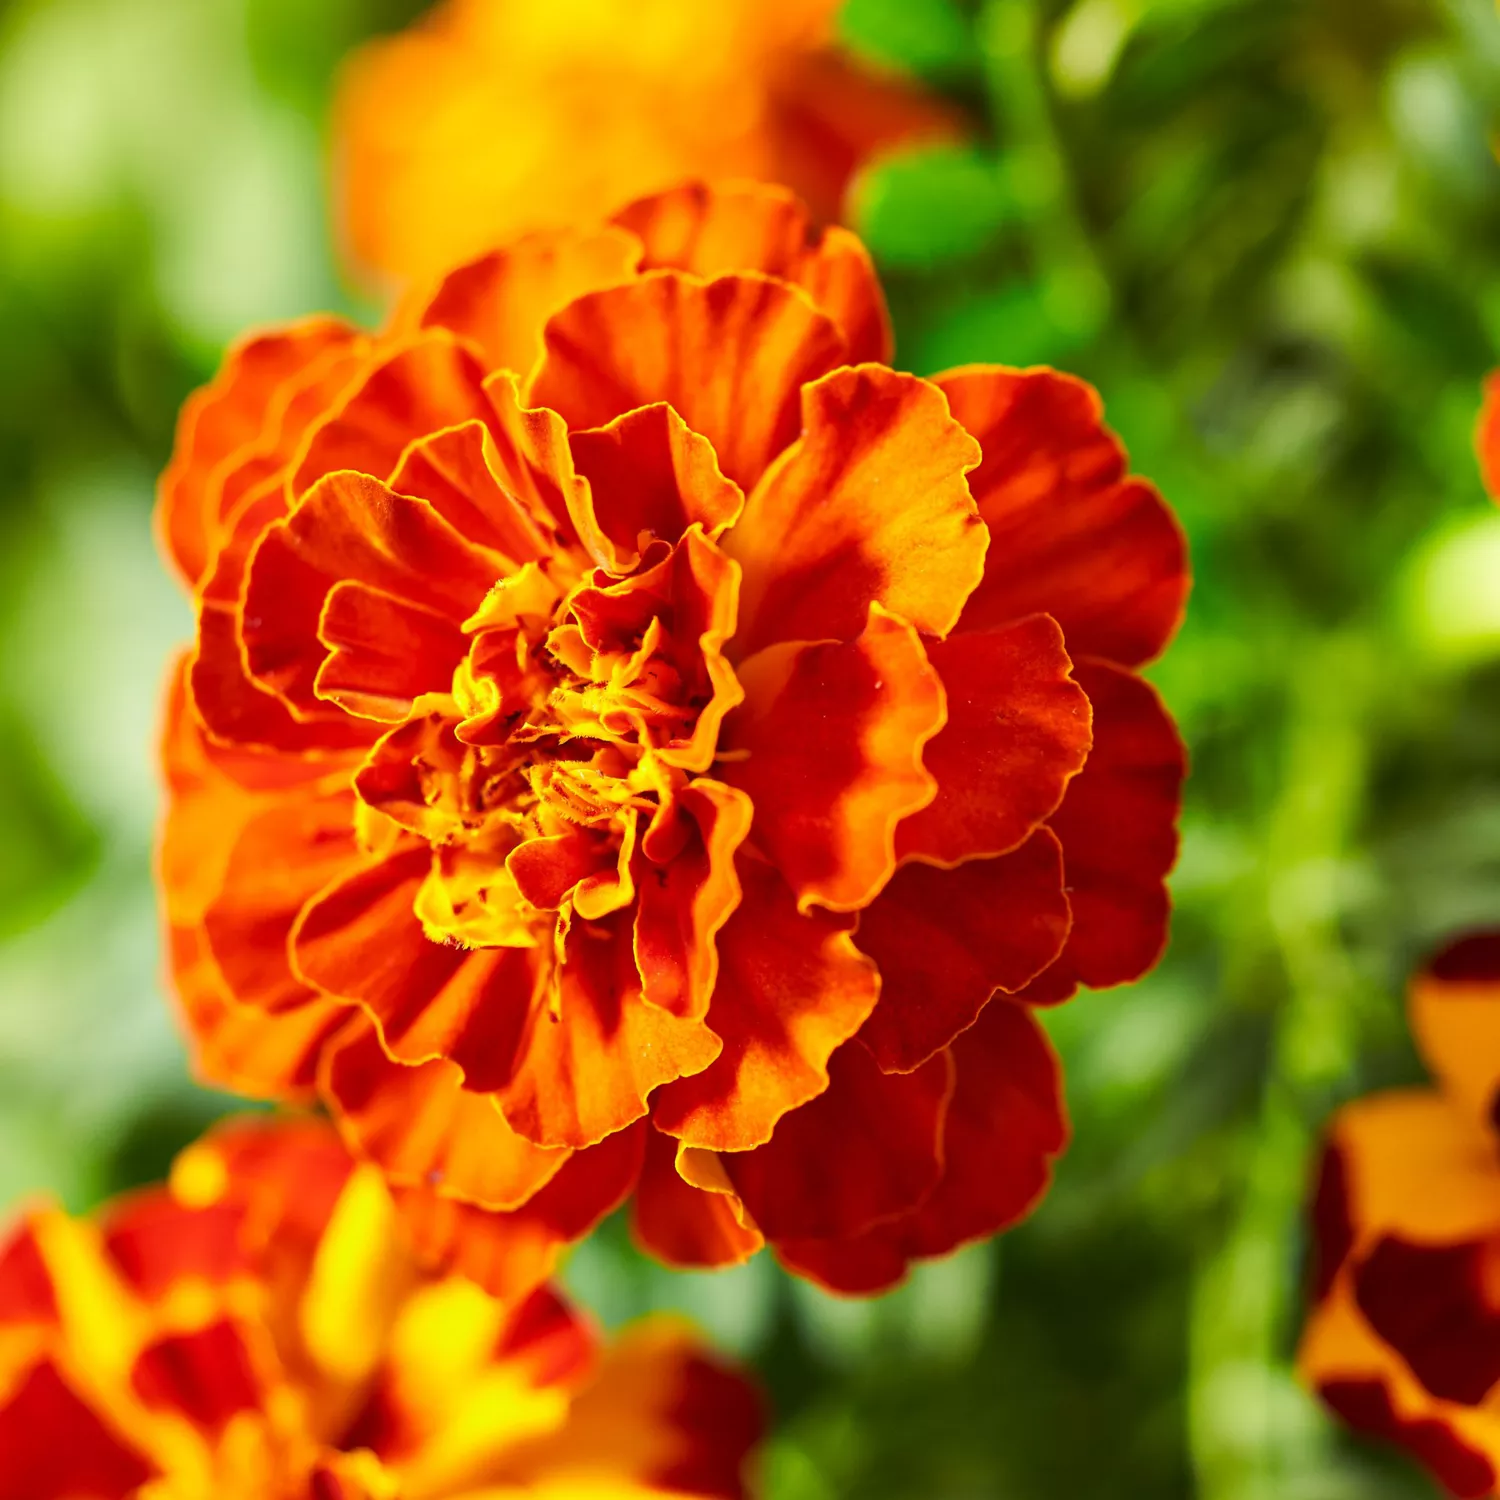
<point x="1118" y="826"/>
<point x="423" y="1129"/>
<point x="1004" y="1125"/>
<point x="424" y="384"/>
<point x="947" y="940"/>
<point x="264" y="1055"/>
<point x="81" y="1456"/>
<point x="469" y="476"/>
<point x="383" y="652"/>
<point x="360" y="939"/>
<point x="682" y="903"/>
<point x="511" y="1254"/>
<point x="1070" y="536"/>
<point x="1018" y="729"/>
<point x="869" y="1148"/>
<point x="1466" y="1472"/>
<point x="870" y="505"/>
<point x="1431" y="1304"/>
<point x="592" y="1060"/>
<point x="501" y="302"/>
<point x="650" y="476"/>
<point x="791" y="988"/>
<point x="828" y="744"/>
<point x="205" y="1376"/>
<point x="287" y="852"/>
<point x="224" y="418"/>
<point x="350" y="527"/>
<point x="713" y="229"/>
<point x="235" y="708"/>
<point x="680" y="1224"/>
<point x="730" y="355"/>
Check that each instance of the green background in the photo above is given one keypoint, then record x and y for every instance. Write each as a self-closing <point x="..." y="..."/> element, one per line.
<point x="1269" y="231"/>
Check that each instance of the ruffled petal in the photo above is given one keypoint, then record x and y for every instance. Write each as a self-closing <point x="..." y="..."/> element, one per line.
<point x="361" y="939"/>
<point x="350" y="527"/>
<point x="286" y="853"/>
<point x="592" y="1062"/>
<point x="1018" y="729"/>
<point x="1004" y="1125"/>
<point x="223" y="419"/>
<point x="828" y="744"/>
<point x="711" y="229"/>
<point x="730" y="355"/>
<point x="1118" y="826"/>
<point x="866" y="1150"/>
<point x="1070" y="535"/>
<point x="1454" y="1008"/>
<point x="791" y="988"/>
<point x="683" y="902"/>
<point x="473" y="479"/>
<point x="947" y="940"/>
<point x="235" y="708"/>
<point x="242" y="1048"/>
<point x="501" y="302"/>
<point x="423" y="1129"/>
<point x="649" y="476"/>
<point x="425" y="383"/>
<point x="383" y="652"/>
<point x="870" y="505"/>
<point x="511" y="1254"/>
<point x="680" y="1224"/>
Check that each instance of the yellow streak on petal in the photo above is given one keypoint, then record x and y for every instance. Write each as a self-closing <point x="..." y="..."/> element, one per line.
<point x="199" y="1177"/>
<point x="360" y="1276"/>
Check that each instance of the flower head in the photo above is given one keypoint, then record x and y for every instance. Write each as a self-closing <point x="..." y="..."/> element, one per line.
<point x="495" y="117"/>
<point x="253" y="1331"/>
<point x="1401" y="1342"/>
<point x="634" y="735"/>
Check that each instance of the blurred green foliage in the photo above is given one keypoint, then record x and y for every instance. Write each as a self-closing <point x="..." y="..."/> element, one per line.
<point x="1269" y="231"/>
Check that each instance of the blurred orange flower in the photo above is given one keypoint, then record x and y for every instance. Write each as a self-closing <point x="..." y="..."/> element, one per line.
<point x="494" y="117"/>
<point x="1402" y="1341"/>
<point x="254" y="1331"/>
<point x="1487" y="436"/>
<point x="639" y="774"/>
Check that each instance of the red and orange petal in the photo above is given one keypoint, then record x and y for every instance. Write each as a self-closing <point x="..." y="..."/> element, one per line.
<point x="1407" y="1240"/>
<point x="1454" y="1007"/>
<point x="594" y="107"/>
<point x="635" y="736"/>
<point x="254" y="1326"/>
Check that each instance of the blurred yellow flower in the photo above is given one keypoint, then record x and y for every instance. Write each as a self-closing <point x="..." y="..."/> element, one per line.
<point x="494" y="117"/>
<point x="255" y="1332"/>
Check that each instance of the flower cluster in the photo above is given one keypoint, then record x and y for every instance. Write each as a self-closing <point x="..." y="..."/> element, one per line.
<point x="1402" y="1340"/>
<point x="638" y="742"/>
<point x="254" y="1331"/>
<point x="495" y="117"/>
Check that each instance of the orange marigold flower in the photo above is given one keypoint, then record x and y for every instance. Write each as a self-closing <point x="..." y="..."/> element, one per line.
<point x="638" y="774"/>
<point x="254" y="1331"/>
<point x="1404" y="1338"/>
<point x="495" y="117"/>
